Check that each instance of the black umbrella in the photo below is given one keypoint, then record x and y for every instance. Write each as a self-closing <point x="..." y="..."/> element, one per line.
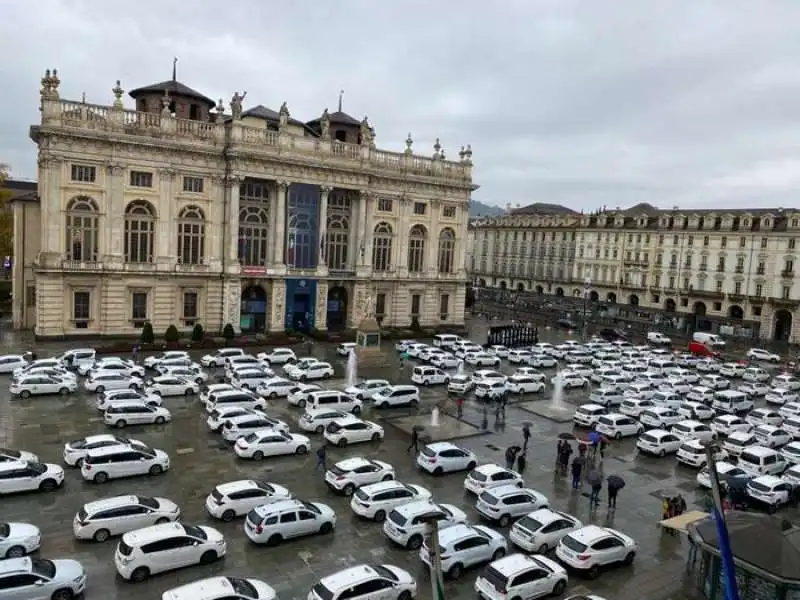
<point x="594" y="477"/>
<point x="579" y="460"/>
<point x="566" y="436"/>
<point x="615" y="482"/>
<point x="527" y="423"/>
<point x="670" y="493"/>
<point x="419" y="428"/>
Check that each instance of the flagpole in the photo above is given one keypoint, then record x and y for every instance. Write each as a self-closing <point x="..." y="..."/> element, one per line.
<point x="731" y="591"/>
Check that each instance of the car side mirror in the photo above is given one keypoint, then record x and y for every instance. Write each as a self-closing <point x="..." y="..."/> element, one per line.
<point x="39" y="582"/>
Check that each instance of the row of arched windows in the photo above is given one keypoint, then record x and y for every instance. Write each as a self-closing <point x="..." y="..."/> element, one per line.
<point x="139" y="241"/>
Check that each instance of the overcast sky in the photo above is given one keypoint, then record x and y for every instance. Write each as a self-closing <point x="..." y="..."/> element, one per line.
<point x="581" y="102"/>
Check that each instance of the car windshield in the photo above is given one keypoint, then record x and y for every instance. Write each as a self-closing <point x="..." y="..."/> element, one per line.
<point x="428" y="452"/>
<point x="124" y="549"/>
<point x="251" y="438"/>
<point x="489" y="498"/>
<point x="689" y="449"/>
<point x="5" y="530"/>
<point x="760" y="487"/>
<point x="529" y="523"/>
<point x="243" y="587"/>
<point x="43" y="567"/>
<point x="146" y="450"/>
<point x="37" y="467"/>
<point x="384" y="572"/>
<point x="149" y="502"/>
<point x="195" y="531"/>
<point x="648" y="437"/>
<point x="10" y="453"/>
<point x="397" y="518"/>
<point x="312" y="508"/>
<point x="362" y="495"/>
<point x="573" y="544"/>
<point x="322" y="592"/>
<point x="496" y="578"/>
<point x="477" y="476"/>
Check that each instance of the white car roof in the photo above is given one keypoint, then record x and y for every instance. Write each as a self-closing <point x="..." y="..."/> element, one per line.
<point x="768" y="480"/>
<point x="381" y="486"/>
<point x="153" y="533"/>
<point x="348" y="420"/>
<point x="658" y="433"/>
<point x="12" y="464"/>
<point x="348" y="577"/>
<point x="442" y="446"/>
<point x="490" y="469"/>
<point x="231" y="487"/>
<point x="349" y="464"/>
<point x="108" y="503"/>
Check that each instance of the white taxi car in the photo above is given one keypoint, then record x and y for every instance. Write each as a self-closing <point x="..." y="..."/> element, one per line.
<point x="772" y="436"/>
<point x="41" y="578"/>
<point x="317" y="419"/>
<point x="738" y="441"/>
<point x="407" y="525"/>
<point x="618" y="426"/>
<point x="725" y="471"/>
<point x="275" y="387"/>
<point x="392" y="579"/>
<point x="316" y="370"/>
<point x="236" y="498"/>
<point x="299" y="394"/>
<point x="271" y="442"/>
<point x="587" y="415"/>
<point x="445" y="457"/>
<point x="41" y="385"/>
<point x="366" y="389"/>
<point x="725" y="425"/>
<point x="460" y="384"/>
<point x="524" y="384"/>
<point x="101" y="519"/>
<point x="277" y="356"/>
<point x="222" y="588"/>
<point x="506" y="503"/>
<point x="687" y="430"/>
<point x="235" y="427"/>
<point x="780" y="396"/>
<point x="167" y="385"/>
<point x="693" y="453"/>
<point x="592" y="547"/>
<point x="218" y="358"/>
<point x="352" y="430"/>
<point x="272" y="523"/>
<point x="18" y="539"/>
<point x="660" y="417"/>
<point x="772" y="491"/>
<point x="784" y="380"/>
<point x="135" y="412"/>
<point x="696" y="411"/>
<point x="116" y="462"/>
<point x="764" y="416"/>
<point x="151" y="362"/>
<point x="18" y="476"/>
<point x="349" y="474"/>
<point x="463" y="546"/>
<point x="541" y="530"/>
<point x="485" y="477"/>
<point x="376" y="500"/>
<point x="658" y="442"/>
<point x="521" y="576"/>
<point x="791" y="452"/>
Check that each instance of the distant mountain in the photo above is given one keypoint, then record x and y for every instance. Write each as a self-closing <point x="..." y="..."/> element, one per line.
<point x="479" y="209"/>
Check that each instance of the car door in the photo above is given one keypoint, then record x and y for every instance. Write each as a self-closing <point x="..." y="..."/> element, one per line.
<point x="10" y="481"/>
<point x="25" y="586"/>
<point x="290" y="525"/>
<point x="306" y="522"/>
<point x="477" y="550"/>
<point x="133" y="462"/>
<point x="608" y="550"/>
<point x="274" y="445"/>
<point x="520" y="503"/>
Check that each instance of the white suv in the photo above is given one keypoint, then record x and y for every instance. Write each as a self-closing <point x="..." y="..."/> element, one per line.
<point x="114" y="462"/>
<point x="396" y="395"/>
<point x="376" y="500"/>
<point x="160" y="548"/>
<point x="101" y="519"/>
<point x="488" y="476"/>
<point x="508" y="502"/>
<point x="222" y="588"/>
<point x="522" y="576"/>
<point x="541" y="530"/>
<point x="446" y="457"/>
<point x="407" y="525"/>
<point x="366" y="582"/>
<point x="236" y="498"/>
<point x="463" y="546"/>
<point x="349" y="474"/>
<point x="592" y="547"/>
<point x="351" y="430"/>
<point x="75" y="450"/>
<point x="273" y="523"/>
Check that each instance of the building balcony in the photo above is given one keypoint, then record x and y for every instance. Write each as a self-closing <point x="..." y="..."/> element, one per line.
<point x="81" y="265"/>
<point x="191" y="268"/>
<point x="702" y="268"/>
<point x="636" y="264"/>
<point x="713" y="294"/>
<point x="788" y="303"/>
<point x="756" y="299"/>
<point x="739" y="270"/>
<point x="787" y="274"/>
<point x="736" y="298"/>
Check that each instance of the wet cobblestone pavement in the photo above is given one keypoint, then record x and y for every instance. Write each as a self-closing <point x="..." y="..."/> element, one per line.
<point x="200" y="460"/>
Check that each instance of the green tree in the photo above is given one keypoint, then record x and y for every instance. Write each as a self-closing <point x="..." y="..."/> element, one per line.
<point x="172" y="335"/>
<point x="228" y="333"/>
<point x="147" y="337"/>
<point x="6" y="216"/>
<point x="197" y="333"/>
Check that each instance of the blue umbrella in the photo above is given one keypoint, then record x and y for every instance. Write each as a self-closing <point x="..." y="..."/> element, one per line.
<point x="404" y="355"/>
<point x="595" y="437"/>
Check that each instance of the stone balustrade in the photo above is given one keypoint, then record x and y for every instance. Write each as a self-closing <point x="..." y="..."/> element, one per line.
<point x="80" y="115"/>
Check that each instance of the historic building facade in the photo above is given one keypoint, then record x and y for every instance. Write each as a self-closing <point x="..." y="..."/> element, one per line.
<point x="735" y="266"/>
<point x="178" y="213"/>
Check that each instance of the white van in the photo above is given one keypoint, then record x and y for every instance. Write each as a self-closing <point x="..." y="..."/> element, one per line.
<point x="606" y="397"/>
<point x="396" y="395"/>
<point x="614" y="382"/>
<point x="732" y="402"/>
<point x="333" y="400"/>
<point x="78" y="357"/>
<point x="661" y="365"/>
<point x="445" y="340"/>
<point x="656" y="337"/>
<point x="760" y="460"/>
<point x="701" y="394"/>
<point x="231" y="398"/>
<point x="587" y="415"/>
<point x="667" y="399"/>
<point x="710" y="339"/>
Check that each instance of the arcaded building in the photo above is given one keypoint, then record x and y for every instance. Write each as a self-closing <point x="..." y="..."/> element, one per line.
<point x="180" y="212"/>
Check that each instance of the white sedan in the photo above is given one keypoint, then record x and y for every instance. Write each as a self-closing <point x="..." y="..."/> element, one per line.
<point x="165" y="385"/>
<point x="298" y="395"/>
<point x="761" y="354"/>
<point x="542" y="361"/>
<point x="275" y="387"/>
<point x="269" y="442"/>
<point x="365" y="390"/>
<point x="445" y="361"/>
<point x="524" y="384"/>
<point x="317" y="370"/>
<point x="315" y="420"/>
<point x="39" y="385"/>
<point x="11" y="362"/>
<point x="116" y="366"/>
<point x="569" y="380"/>
<point x="277" y="356"/>
<point x="101" y="381"/>
<point x="18" y="539"/>
<point x="188" y="373"/>
<point x="352" y="430"/>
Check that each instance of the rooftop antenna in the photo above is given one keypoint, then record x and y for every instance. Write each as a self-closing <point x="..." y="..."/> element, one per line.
<point x="175" y="69"/>
<point x="341" y="94"/>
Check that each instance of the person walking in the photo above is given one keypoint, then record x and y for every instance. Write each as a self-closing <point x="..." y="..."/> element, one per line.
<point x="614" y="483"/>
<point x="321" y="459"/>
<point x="566" y="453"/>
<point x="459" y="407"/>
<point x="521" y="462"/>
<point x="526" y="436"/>
<point x="414" y="442"/>
<point x="595" y="479"/>
<point x="577" y="469"/>
<point x="135" y="353"/>
<point x="511" y="457"/>
<point x="603" y="447"/>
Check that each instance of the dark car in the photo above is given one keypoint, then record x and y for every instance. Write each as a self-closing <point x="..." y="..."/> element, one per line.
<point x="611" y="335"/>
<point x="566" y="324"/>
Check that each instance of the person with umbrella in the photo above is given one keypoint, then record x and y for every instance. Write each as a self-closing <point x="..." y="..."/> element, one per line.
<point x="526" y="436"/>
<point x="594" y="440"/>
<point x="577" y="468"/>
<point x="511" y="456"/>
<point x="614" y="483"/>
<point x="563" y="459"/>
<point x="595" y="479"/>
<point x="414" y="440"/>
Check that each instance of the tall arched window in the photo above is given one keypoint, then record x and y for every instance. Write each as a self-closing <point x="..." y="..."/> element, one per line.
<point x="139" y="232"/>
<point x="253" y="236"/>
<point x="191" y="236"/>
<point x="416" y="249"/>
<point x="82" y="227"/>
<point x="447" y="248"/>
<point x="337" y="237"/>
<point x="382" y="247"/>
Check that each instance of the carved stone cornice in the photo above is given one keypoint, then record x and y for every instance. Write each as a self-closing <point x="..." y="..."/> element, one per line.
<point x="115" y="169"/>
<point x="232" y="180"/>
<point x="326" y="189"/>
<point x="167" y="173"/>
<point x="46" y="162"/>
<point x="283" y="184"/>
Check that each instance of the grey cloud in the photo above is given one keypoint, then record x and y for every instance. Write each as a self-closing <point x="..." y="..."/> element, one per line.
<point x="687" y="102"/>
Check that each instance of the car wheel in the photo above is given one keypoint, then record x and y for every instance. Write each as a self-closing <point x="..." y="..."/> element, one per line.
<point x="162" y="520"/>
<point x="662" y="453"/>
<point x="342" y="443"/>
<point x="301" y="450"/>
<point x="160" y="420"/>
<point x="414" y="542"/>
<point x="356" y="410"/>
<point x="258" y="455"/>
<point x="140" y="574"/>
<point x="228" y="516"/>
<point x="471" y="465"/>
<point x="349" y="489"/>
<point x="504" y="520"/>
<point x="629" y="558"/>
<point x="404" y="595"/>
<point x="15" y="552"/>
<point x="63" y="391"/>
<point x="558" y="588"/>
<point x="542" y="549"/>
<point x="25" y="394"/>
<point x="618" y="435"/>
<point x="320" y="429"/>
<point x="208" y="557"/>
<point x="498" y="554"/>
<point x="273" y="395"/>
<point x="438" y="471"/>
<point x="155" y="470"/>
<point x="101" y="535"/>
<point x="454" y="572"/>
<point x="375" y="437"/>
<point x="301" y="403"/>
<point x="100" y="389"/>
<point x="121" y="424"/>
<point x="446" y="380"/>
<point x="62" y="594"/>
<point x="379" y="516"/>
<point x="593" y="572"/>
<point x="303" y="377"/>
<point x="100" y="477"/>
<point x="48" y="485"/>
<point x="326" y="528"/>
<point x="414" y="403"/>
<point x="189" y="392"/>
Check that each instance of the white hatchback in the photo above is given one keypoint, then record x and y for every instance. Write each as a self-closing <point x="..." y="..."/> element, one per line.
<point x="18" y="539"/>
<point x="771" y="436"/>
<point x="696" y="430"/>
<point x="660" y="417"/>
<point x="236" y="498"/>
<point x="725" y="425"/>
<point x="376" y="500"/>
<point x="19" y="476"/>
<point x="275" y="387"/>
<point x="365" y="390"/>
<point x="382" y="582"/>
<point x="521" y="576"/>
<point x="272" y="523"/>
<point x="352" y="430"/>
<point x="317" y="419"/>
<point x="101" y="519"/>
<point x="349" y="474"/>
<point x="407" y="525"/>
<point x="541" y="530"/>
<point x="592" y="547"/>
<point x="658" y="442"/>
<point x="445" y="457"/>
<point x="506" y="503"/>
<point x="618" y="426"/>
<point x="463" y="546"/>
<point x="738" y="441"/>
<point x="484" y="477"/>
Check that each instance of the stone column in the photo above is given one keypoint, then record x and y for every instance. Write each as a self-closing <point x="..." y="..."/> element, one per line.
<point x="53" y="223"/>
<point x="112" y="248"/>
<point x="166" y="249"/>
<point x="231" y="187"/>
<point x="321" y="316"/>
<point x="232" y="296"/>
<point x="280" y="224"/>
<point x="354" y="233"/>
<point x="324" y="192"/>
<point x="432" y="251"/>
<point x="363" y="259"/>
<point x="400" y="248"/>
<point x="277" y="300"/>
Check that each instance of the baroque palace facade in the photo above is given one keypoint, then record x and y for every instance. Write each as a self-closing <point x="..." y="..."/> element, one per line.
<point x="731" y="266"/>
<point x="178" y="213"/>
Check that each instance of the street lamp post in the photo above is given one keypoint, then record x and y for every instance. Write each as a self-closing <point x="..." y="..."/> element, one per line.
<point x="731" y="591"/>
<point x="437" y="579"/>
<point x="587" y="284"/>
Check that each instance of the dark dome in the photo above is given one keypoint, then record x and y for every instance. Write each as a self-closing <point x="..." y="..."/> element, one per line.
<point x="339" y="118"/>
<point x="173" y="88"/>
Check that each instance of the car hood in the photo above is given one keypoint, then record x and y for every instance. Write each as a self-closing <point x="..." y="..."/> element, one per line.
<point x="490" y="532"/>
<point x="160" y="454"/>
<point x="300" y="439"/>
<point x="53" y="469"/>
<point x="421" y="491"/>
<point x="551" y="564"/>
<point x="22" y="530"/>
<point x="325" y="509"/>
<point x="213" y="534"/>
<point x="67" y="569"/>
<point x="166" y="505"/>
<point x="403" y="576"/>
<point x="281" y="490"/>
<point x="458" y="515"/>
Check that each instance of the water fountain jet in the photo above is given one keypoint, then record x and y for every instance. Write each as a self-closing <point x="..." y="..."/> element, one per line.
<point x="351" y="371"/>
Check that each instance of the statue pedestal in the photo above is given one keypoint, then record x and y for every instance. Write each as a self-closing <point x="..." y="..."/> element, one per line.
<point x="368" y="345"/>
